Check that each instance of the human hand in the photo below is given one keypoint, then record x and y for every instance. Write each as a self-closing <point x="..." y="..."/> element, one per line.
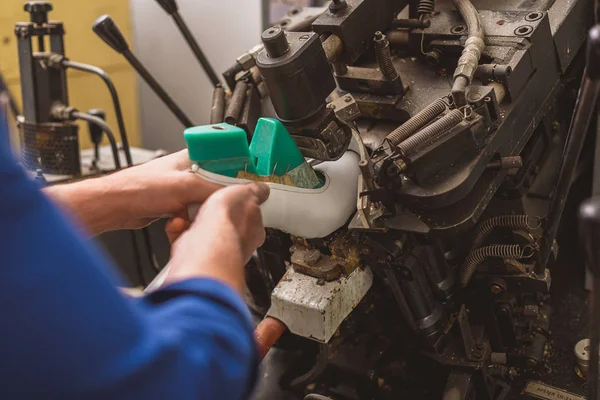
<point x="222" y="238"/>
<point x="134" y="197"/>
<point x="161" y="188"/>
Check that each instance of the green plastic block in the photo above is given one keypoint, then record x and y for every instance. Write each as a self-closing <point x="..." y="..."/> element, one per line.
<point x="223" y="149"/>
<point x="273" y="150"/>
<point x="220" y="148"/>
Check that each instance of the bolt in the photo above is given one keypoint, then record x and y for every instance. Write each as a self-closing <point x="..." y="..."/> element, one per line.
<point x="348" y="99"/>
<point x="366" y="251"/>
<point x="337" y="5"/>
<point x="433" y="57"/>
<point x="496" y="289"/>
<point x="384" y="57"/>
<point x="393" y="170"/>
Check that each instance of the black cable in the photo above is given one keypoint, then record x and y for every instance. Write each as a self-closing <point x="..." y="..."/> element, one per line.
<point x="189" y="38"/>
<point x="127" y="150"/>
<point x="115" y="99"/>
<point x="102" y="124"/>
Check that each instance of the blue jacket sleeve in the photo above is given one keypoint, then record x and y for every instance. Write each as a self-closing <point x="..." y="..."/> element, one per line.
<point x="67" y="333"/>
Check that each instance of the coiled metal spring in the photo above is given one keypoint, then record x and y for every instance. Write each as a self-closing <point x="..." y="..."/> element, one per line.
<point x="418" y="121"/>
<point x="425" y="7"/>
<point x="384" y="56"/>
<point x="431" y="133"/>
<point x="502" y="221"/>
<point x="476" y="257"/>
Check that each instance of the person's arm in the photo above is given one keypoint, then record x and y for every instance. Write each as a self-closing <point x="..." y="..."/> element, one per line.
<point x="134" y="197"/>
<point x="68" y="333"/>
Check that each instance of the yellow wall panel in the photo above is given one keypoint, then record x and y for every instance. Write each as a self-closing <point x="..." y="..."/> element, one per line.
<point x="86" y="91"/>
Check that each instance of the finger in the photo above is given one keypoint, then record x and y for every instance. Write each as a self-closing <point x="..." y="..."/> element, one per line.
<point x="260" y="190"/>
<point x="175" y="227"/>
<point x="182" y="160"/>
<point x="197" y="190"/>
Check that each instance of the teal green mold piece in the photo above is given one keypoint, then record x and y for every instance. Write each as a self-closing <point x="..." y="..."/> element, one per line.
<point x="219" y="148"/>
<point x="223" y="149"/>
<point x="273" y="150"/>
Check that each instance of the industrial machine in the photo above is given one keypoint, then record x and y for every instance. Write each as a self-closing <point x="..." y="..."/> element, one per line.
<point x="437" y="284"/>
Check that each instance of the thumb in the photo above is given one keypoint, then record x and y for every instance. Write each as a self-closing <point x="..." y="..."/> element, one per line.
<point x="260" y="190"/>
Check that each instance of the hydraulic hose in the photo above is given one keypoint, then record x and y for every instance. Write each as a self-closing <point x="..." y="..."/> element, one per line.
<point x="418" y="121"/>
<point x="104" y="126"/>
<point x="469" y="59"/>
<point x="115" y="99"/>
<point x="431" y="133"/>
<point x="126" y="148"/>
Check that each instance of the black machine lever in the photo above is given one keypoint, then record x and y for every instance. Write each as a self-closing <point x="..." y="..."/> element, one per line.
<point x="171" y="8"/>
<point x="110" y="33"/>
<point x="589" y="213"/>
<point x="585" y="110"/>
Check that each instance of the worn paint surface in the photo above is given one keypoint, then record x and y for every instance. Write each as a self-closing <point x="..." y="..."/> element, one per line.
<point x="315" y="309"/>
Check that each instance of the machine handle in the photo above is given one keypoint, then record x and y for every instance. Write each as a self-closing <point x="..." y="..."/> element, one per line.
<point x="170" y="6"/>
<point x="106" y="28"/>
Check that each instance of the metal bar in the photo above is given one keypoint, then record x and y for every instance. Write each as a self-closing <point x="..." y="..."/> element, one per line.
<point x="191" y="41"/>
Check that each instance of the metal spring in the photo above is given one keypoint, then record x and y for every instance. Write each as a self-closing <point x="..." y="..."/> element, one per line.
<point x="384" y="57"/>
<point x="425" y="7"/>
<point x="476" y="257"/>
<point x="502" y="221"/>
<point x="418" y="121"/>
<point x="431" y="133"/>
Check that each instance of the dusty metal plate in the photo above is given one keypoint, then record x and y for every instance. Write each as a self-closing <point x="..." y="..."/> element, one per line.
<point x="542" y="391"/>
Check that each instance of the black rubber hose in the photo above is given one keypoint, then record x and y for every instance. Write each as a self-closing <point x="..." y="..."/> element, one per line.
<point x="126" y="149"/>
<point x="418" y="121"/>
<point x="431" y="133"/>
<point x="115" y="99"/>
<point x="109" y="134"/>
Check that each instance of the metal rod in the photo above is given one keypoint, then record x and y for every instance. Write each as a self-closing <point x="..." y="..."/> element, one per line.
<point x="589" y="234"/>
<point x="594" y="339"/>
<point x="217" y="112"/>
<point x="160" y="92"/>
<point x="191" y="41"/>
<point x="584" y="111"/>
<point x="236" y="103"/>
<point x="102" y="124"/>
